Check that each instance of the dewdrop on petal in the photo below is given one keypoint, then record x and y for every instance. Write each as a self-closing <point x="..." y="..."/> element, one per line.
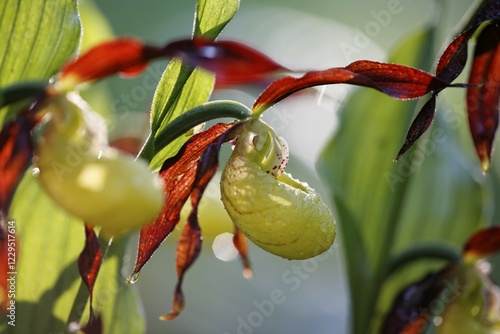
<point x="281" y="215"/>
<point x="90" y="179"/>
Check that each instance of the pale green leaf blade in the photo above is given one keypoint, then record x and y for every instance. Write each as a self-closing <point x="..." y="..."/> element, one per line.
<point x="444" y="204"/>
<point x="47" y="279"/>
<point x="182" y="88"/>
<point x="115" y="301"/>
<point x="37" y="37"/>
<point x="373" y="191"/>
<point x="213" y="15"/>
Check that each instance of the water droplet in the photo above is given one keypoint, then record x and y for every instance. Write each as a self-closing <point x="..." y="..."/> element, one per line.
<point x="247" y="273"/>
<point x="35" y="172"/>
<point x="133" y="278"/>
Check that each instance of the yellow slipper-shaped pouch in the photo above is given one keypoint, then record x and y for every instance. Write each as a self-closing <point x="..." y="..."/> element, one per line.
<point x="281" y="215"/>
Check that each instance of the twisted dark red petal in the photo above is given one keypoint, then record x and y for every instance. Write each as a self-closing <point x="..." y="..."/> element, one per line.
<point x="484" y="243"/>
<point x="484" y="93"/>
<point x="178" y="174"/>
<point x="398" y="81"/>
<point x="420" y="124"/>
<point x="125" y="55"/>
<point x="89" y="263"/>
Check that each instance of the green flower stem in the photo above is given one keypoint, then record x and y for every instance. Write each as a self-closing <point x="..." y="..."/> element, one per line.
<point x="423" y="251"/>
<point x="190" y="119"/>
<point x="19" y="91"/>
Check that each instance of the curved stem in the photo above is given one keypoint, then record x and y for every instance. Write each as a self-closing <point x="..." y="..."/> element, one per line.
<point x="19" y="91"/>
<point x="190" y="119"/>
<point x="423" y="251"/>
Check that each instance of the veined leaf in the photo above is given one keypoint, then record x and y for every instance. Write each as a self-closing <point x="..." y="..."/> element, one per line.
<point x="443" y="203"/>
<point x="181" y="87"/>
<point x="37" y="37"/>
<point x="376" y="195"/>
<point x="116" y="302"/>
<point x="212" y="16"/>
<point x="47" y="279"/>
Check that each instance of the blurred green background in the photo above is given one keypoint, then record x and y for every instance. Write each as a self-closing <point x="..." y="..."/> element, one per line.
<point x="300" y="35"/>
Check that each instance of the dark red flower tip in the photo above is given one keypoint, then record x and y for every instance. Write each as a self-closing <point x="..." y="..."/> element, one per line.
<point x="126" y="56"/>
<point x="483" y="243"/>
<point x="420" y="124"/>
<point x="233" y="63"/>
<point x="178" y="174"/>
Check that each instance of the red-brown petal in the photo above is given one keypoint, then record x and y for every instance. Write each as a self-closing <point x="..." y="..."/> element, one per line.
<point x="398" y="81"/>
<point x="484" y="243"/>
<point x="126" y="55"/>
<point x="89" y="263"/>
<point x="453" y="60"/>
<point x="241" y="244"/>
<point x="16" y="152"/>
<point x="419" y="125"/>
<point x="188" y="249"/>
<point x="178" y="174"/>
<point x="233" y="63"/>
<point x="189" y="245"/>
<point x="484" y="94"/>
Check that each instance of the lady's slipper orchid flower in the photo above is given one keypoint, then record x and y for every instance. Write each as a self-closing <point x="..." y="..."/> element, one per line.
<point x="88" y="178"/>
<point x="278" y="213"/>
<point x="468" y="300"/>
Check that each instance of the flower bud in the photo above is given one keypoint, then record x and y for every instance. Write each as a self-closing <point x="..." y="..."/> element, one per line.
<point x="90" y="179"/>
<point x="282" y="215"/>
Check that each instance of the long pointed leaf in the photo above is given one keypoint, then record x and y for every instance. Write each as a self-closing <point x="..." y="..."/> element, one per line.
<point x="181" y="88"/>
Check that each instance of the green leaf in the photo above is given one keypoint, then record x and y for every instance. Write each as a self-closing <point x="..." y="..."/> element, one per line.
<point x="213" y="15"/>
<point x="394" y="205"/>
<point x="49" y="291"/>
<point x="182" y="88"/>
<point x="117" y="302"/>
<point x="47" y="279"/>
<point x="37" y="37"/>
<point x="444" y="203"/>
